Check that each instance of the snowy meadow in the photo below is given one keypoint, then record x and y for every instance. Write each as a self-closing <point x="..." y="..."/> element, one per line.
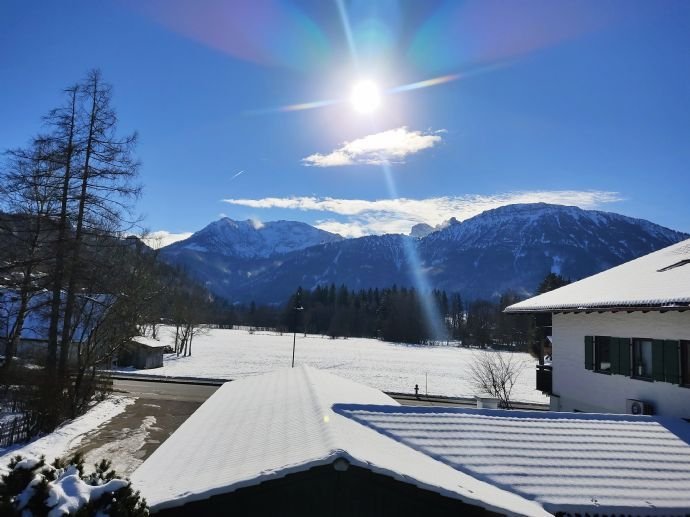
<point x="438" y="370"/>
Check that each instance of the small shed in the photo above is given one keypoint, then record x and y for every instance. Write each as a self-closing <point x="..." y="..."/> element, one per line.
<point x="142" y="353"/>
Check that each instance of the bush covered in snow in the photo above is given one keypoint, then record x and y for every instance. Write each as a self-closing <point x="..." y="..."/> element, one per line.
<point x="32" y="487"/>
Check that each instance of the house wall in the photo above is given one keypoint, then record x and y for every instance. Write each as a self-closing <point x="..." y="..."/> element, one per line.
<point x="577" y="388"/>
<point x="324" y="491"/>
<point x="149" y="357"/>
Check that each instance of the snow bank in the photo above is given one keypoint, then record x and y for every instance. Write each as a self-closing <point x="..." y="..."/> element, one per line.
<point x="58" y="443"/>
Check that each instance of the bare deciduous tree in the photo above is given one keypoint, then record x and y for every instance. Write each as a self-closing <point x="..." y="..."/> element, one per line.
<point x="68" y="198"/>
<point x="189" y="307"/>
<point x="104" y="187"/>
<point x="27" y="195"/>
<point x="495" y="374"/>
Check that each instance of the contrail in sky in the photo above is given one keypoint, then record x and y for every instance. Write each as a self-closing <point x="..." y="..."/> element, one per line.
<point x="241" y="172"/>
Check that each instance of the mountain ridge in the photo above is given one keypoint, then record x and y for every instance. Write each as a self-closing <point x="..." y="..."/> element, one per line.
<point x="507" y="248"/>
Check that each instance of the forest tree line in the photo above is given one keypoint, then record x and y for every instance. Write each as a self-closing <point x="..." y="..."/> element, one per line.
<point x="396" y="314"/>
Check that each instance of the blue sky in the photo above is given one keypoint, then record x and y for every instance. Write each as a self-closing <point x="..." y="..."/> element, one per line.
<point x="579" y="102"/>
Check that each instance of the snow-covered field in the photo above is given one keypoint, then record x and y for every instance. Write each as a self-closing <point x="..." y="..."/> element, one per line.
<point x="442" y="370"/>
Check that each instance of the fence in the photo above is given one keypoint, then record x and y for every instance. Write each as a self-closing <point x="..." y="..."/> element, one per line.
<point x="251" y="328"/>
<point x="29" y="417"/>
<point x="19" y="429"/>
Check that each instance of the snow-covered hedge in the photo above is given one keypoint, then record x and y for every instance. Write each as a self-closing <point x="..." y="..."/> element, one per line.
<point x="32" y="487"/>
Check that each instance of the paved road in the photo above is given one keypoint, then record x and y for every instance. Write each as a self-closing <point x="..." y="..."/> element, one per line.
<point x="130" y="437"/>
<point x="192" y="392"/>
<point x="165" y="390"/>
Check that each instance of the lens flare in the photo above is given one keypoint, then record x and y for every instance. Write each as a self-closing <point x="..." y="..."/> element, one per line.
<point x="458" y="35"/>
<point x="426" y="83"/>
<point x="365" y="97"/>
<point x="432" y="316"/>
<point x="268" y="32"/>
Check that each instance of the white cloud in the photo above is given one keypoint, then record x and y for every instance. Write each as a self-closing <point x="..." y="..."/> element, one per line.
<point x="366" y="217"/>
<point x="390" y="146"/>
<point x="361" y="226"/>
<point x="161" y="238"/>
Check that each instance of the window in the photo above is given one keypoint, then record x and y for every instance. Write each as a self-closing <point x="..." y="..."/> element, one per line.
<point x="620" y="356"/>
<point x="642" y="358"/>
<point x="660" y="360"/>
<point x="602" y="354"/>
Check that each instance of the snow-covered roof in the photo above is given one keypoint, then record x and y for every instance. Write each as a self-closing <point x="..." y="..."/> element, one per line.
<point x="149" y="342"/>
<point x="89" y="310"/>
<point x="268" y="426"/>
<point x="660" y="280"/>
<point x="567" y="462"/>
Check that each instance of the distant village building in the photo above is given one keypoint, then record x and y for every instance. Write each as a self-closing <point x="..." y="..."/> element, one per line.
<point x="305" y="442"/>
<point x="33" y="340"/>
<point x="621" y="338"/>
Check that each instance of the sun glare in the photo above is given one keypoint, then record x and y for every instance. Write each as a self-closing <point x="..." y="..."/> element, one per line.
<point x="365" y="97"/>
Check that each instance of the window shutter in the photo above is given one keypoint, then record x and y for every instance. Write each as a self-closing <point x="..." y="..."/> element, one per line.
<point x="624" y="355"/>
<point x="614" y="354"/>
<point x="658" y="360"/>
<point x="589" y="352"/>
<point x="671" y="363"/>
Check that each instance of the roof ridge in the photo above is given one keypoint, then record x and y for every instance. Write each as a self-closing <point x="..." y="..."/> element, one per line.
<point x="323" y="408"/>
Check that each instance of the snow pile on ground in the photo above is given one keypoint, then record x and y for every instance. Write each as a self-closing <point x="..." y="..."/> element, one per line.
<point x="58" y="443"/>
<point x="438" y="370"/>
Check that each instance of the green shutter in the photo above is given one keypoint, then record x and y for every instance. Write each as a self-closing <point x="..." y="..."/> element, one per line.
<point x="589" y="352"/>
<point x="658" y="360"/>
<point x="624" y="354"/>
<point x="671" y="363"/>
<point x="614" y="354"/>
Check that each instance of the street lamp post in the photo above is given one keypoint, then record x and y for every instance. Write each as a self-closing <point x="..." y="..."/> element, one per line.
<point x="298" y="307"/>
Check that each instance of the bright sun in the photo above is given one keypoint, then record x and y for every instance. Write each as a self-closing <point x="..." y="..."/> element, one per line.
<point x="365" y="97"/>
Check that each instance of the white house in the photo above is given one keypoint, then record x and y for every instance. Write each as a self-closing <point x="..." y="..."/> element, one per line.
<point x="305" y="442"/>
<point x="621" y="338"/>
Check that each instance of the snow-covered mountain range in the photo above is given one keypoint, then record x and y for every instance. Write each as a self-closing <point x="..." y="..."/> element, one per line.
<point x="512" y="247"/>
<point x="252" y="239"/>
